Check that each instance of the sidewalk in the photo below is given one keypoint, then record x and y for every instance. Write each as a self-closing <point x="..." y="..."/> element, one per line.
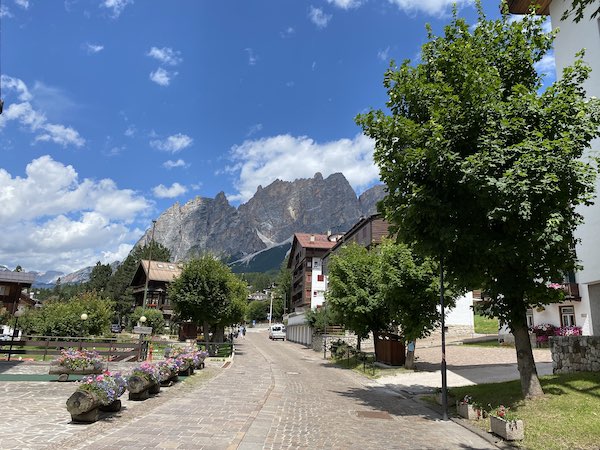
<point x="466" y="365"/>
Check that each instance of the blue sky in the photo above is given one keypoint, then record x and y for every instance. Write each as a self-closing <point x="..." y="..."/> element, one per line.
<point x="116" y="109"/>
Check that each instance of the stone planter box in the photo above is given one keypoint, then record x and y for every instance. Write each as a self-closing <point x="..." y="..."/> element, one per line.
<point x="140" y="388"/>
<point x="64" y="372"/>
<point x="510" y="430"/>
<point x="468" y="411"/>
<point x="186" y="370"/>
<point x="84" y="407"/>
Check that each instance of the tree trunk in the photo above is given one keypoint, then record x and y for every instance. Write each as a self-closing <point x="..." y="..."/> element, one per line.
<point x="530" y="384"/>
<point x="81" y="402"/>
<point x="219" y="335"/>
<point x="206" y="331"/>
<point x="409" y="363"/>
<point x="358" y="341"/>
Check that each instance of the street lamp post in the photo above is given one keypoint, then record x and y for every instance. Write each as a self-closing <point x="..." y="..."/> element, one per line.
<point x="83" y="318"/>
<point x="141" y="352"/>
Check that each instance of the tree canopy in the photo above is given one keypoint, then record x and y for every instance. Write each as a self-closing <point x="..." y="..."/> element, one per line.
<point x="485" y="170"/>
<point x="207" y="292"/>
<point x="63" y="318"/>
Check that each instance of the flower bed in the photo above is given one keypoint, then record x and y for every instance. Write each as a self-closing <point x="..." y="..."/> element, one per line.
<point x="544" y="331"/>
<point x="76" y="362"/>
<point x="96" y="393"/>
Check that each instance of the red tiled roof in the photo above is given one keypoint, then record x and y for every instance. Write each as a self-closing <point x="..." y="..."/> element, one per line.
<point x="308" y="240"/>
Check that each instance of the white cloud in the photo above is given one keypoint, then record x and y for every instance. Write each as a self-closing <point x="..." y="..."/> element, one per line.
<point x="318" y="17"/>
<point x="175" y="190"/>
<point x="162" y="77"/>
<point x="173" y="144"/>
<point x="252" y="57"/>
<point x="288" y="32"/>
<point x="92" y="48"/>
<point x="346" y="4"/>
<point x="23" y="3"/>
<point x="170" y="164"/>
<point x="35" y="120"/>
<point x="116" y="6"/>
<point x="166" y="55"/>
<point x="547" y="65"/>
<point x="432" y="7"/>
<point x="51" y="219"/>
<point x="285" y="157"/>
<point x="384" y="54"/>
<point x="130" y="131"/>
<point x="254" y="129"/>
<point x="4" y="11"/>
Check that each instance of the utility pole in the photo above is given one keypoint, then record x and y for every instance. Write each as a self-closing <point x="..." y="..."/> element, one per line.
<point x="149" y="264"/>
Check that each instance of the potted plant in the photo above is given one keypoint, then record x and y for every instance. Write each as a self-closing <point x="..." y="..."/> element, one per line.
<point x="506" y="425"/>
<point x="467" y="409"/>
<point x="96" y="393"/>
<point x="144" y="380"/>
<point x="169" y="371"/>
<point x="77" y="362"/>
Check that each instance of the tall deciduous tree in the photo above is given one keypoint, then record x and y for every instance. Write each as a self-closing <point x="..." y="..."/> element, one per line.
<point x="410" y="286"/>
<point x="208" y="293"/>
<point x="354" y="291"/>
<point x="484" y="170"/>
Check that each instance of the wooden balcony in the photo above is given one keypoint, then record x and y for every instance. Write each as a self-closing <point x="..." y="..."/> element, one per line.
<point x="572" y="292"/>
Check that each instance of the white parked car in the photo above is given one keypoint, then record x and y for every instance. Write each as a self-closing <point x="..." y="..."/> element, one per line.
<point x="277" y="331"/>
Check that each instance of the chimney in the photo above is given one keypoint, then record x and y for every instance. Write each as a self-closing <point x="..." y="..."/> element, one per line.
<point x="312" y="238"/>
<point x="328" y="233"/>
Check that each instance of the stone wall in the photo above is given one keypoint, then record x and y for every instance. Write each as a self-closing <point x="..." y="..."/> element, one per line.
<point x="349" y="338"/>
<point x="575" y="353"/>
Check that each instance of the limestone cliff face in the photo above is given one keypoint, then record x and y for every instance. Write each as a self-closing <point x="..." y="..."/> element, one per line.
<point x="271" y="217"/>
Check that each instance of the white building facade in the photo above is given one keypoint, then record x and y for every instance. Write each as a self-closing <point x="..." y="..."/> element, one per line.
<point x="584" y="310"/>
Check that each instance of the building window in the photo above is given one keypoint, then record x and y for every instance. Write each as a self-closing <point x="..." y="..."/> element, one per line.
<point x="315" y="293"/>
<point x="567" y="316"/>
<point x="529" y="315"/>
<point x="320" y="277"/>
<point x="4" y="290"/>
<point x="309" y="264"/>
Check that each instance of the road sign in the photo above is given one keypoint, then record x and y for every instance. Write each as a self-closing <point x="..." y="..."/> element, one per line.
<point x="142" y="330"/>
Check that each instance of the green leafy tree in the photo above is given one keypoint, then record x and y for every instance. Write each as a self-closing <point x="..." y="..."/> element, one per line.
<point x="354" y="291"/>
<point x="578" y="8"/>
<point x="63" y="318"/>
<point x="257" y="310"/>
<point x="154" y="318"/>
<point x="410" y="286"/>
<point x="208" y="293"/>
<point x="483" y="169"/>
<point x="320" y="318"/>
<point x="99" y="277"/>
<point x="282" y="292"/>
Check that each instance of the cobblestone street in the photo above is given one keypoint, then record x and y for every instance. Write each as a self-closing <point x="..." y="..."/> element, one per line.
<point x="274" y="395"/>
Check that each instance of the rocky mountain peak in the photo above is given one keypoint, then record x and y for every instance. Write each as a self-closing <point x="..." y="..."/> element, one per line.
<point x="268" y="219"/>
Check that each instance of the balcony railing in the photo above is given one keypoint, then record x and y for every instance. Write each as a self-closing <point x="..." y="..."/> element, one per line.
<point x="571" y="292"/>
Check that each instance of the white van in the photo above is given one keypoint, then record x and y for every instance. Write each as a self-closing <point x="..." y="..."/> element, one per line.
<point x="277" y="331"/>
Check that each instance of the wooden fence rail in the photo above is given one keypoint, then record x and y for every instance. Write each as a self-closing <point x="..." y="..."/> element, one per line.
<point x="51" y="346"/>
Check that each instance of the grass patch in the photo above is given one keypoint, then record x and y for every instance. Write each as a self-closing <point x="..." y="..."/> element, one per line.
<point x="485" y="325"/>
<point x="567" y="417"/>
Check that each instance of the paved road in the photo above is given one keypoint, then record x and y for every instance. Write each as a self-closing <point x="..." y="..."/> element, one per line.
<point x="278" y="395"/>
